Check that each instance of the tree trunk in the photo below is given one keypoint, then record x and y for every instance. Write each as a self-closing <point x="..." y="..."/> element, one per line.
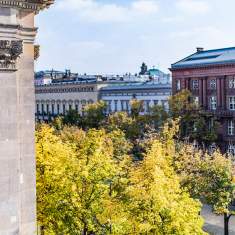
<point x="226" y="224"/>
<point x="42" y="230"/>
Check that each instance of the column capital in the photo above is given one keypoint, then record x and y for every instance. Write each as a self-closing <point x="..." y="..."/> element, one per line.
<point x="32" y="5"/>
<point x="10" y="50"/>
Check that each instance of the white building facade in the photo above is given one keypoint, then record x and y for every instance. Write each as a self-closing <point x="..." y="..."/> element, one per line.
<point x="118" y="97"/>
<point x="57" y="98"/>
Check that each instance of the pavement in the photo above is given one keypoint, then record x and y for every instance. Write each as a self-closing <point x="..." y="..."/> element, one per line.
<point x="214" y="224"/>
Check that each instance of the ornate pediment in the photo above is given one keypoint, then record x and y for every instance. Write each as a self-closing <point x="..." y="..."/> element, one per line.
<point x="9" y="52"/>
<point x="34" y="5"/>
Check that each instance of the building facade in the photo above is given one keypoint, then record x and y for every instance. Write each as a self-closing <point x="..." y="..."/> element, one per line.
<point x="118" y="97"/>
<point x="17" y="125"/>
<point x="56" y="99"/>
<point x="210" y="76"/>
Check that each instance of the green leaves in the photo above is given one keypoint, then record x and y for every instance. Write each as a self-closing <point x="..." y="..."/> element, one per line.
<point x="206" y="177"/>
<point x="87" y="183"/>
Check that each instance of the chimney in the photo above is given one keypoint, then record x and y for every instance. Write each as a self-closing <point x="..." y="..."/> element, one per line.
<point x="200" y="49"/>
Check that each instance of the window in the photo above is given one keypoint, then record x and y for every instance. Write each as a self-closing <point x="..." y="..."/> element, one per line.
<point x="64" y="109"/>
<point x="109" y="106"/>
<point x="147" y="106"/>
<point x="58" y="109"/>
<point x="155" y="102"/>
<point x="163" y="103"/>
<point x="178" y="85"/>
<point x="70" y="107"/>
<point x="37" y="108"/>
<point x="76" y="107"/>
<point x="115" y="105"/>
<point x="213" y="84"/>
<point x="231" y="83"/>
<point x="212" y="148"/>
<point x="232" y="103"/>
<point x="196" y="100"/>
<point x="42" y="108"/>
<point x="122" y="105"/>
<point x="213" y="103"/>
<point x="53" y="109"/>
<point x="195" y="84"/>
<point x="230" y="127"/>
<point x="47" y="108"/>
<point x="195" y="145"/>
<point x="231" y="149"/>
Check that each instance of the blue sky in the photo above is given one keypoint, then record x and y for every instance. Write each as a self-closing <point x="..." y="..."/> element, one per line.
<point x="116" y="36"/>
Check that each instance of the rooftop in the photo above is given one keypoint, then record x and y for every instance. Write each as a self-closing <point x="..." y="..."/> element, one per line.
<point x="207" y="58"/>
<point x="136" y="86"/>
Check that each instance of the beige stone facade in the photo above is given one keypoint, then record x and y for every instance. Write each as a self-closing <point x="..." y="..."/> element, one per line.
<point x="58" y="98"/>
<point x="17" y="153"/>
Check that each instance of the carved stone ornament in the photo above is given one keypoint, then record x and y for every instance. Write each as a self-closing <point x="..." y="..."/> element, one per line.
<point x="9" y="52"/>
<point x="36" y="51"/>
<point x="34" y="5"/>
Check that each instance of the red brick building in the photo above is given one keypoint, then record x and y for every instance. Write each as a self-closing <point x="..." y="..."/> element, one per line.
<point x="210" y="76"/>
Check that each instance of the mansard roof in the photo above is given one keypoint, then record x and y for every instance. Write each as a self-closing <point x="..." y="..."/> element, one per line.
<point x="206" y="58"/>
<point x="138" y="86"/>
<point x="34" y="5"/>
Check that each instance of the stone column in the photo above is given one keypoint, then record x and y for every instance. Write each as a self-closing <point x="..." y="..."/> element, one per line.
<point x="17" y="102"/>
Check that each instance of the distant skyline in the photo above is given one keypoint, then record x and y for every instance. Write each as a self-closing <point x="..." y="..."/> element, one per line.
<point x="116" y="36"/>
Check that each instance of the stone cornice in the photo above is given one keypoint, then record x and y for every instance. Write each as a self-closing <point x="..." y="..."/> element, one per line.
<point x="33" y="5"/>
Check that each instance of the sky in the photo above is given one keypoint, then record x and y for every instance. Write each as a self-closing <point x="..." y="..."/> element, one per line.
<point x="116" y="36"/>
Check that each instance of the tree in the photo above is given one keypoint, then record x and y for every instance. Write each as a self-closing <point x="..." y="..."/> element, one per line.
<point x="72" y="117"/>
<point x="87" y="183"/>
<point x="157" y="203"/>
<point x="80" y="180"/>
<point x="158" y="116"/>
<point x="94" y="115"/>
<point x="195" y="123"/>
<point x="136" y="107"/>
<point x="122" y="121"/>
<point x="206" y="177"/>
<point x="54" y="161"/>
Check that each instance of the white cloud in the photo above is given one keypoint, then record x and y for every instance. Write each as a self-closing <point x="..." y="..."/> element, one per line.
<point x="209" y="37"/>
<point x="145" y="6"/>
<point x="202" y="32"/>
<point x="92" y="10"/>
<point x="193" y="6"/>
